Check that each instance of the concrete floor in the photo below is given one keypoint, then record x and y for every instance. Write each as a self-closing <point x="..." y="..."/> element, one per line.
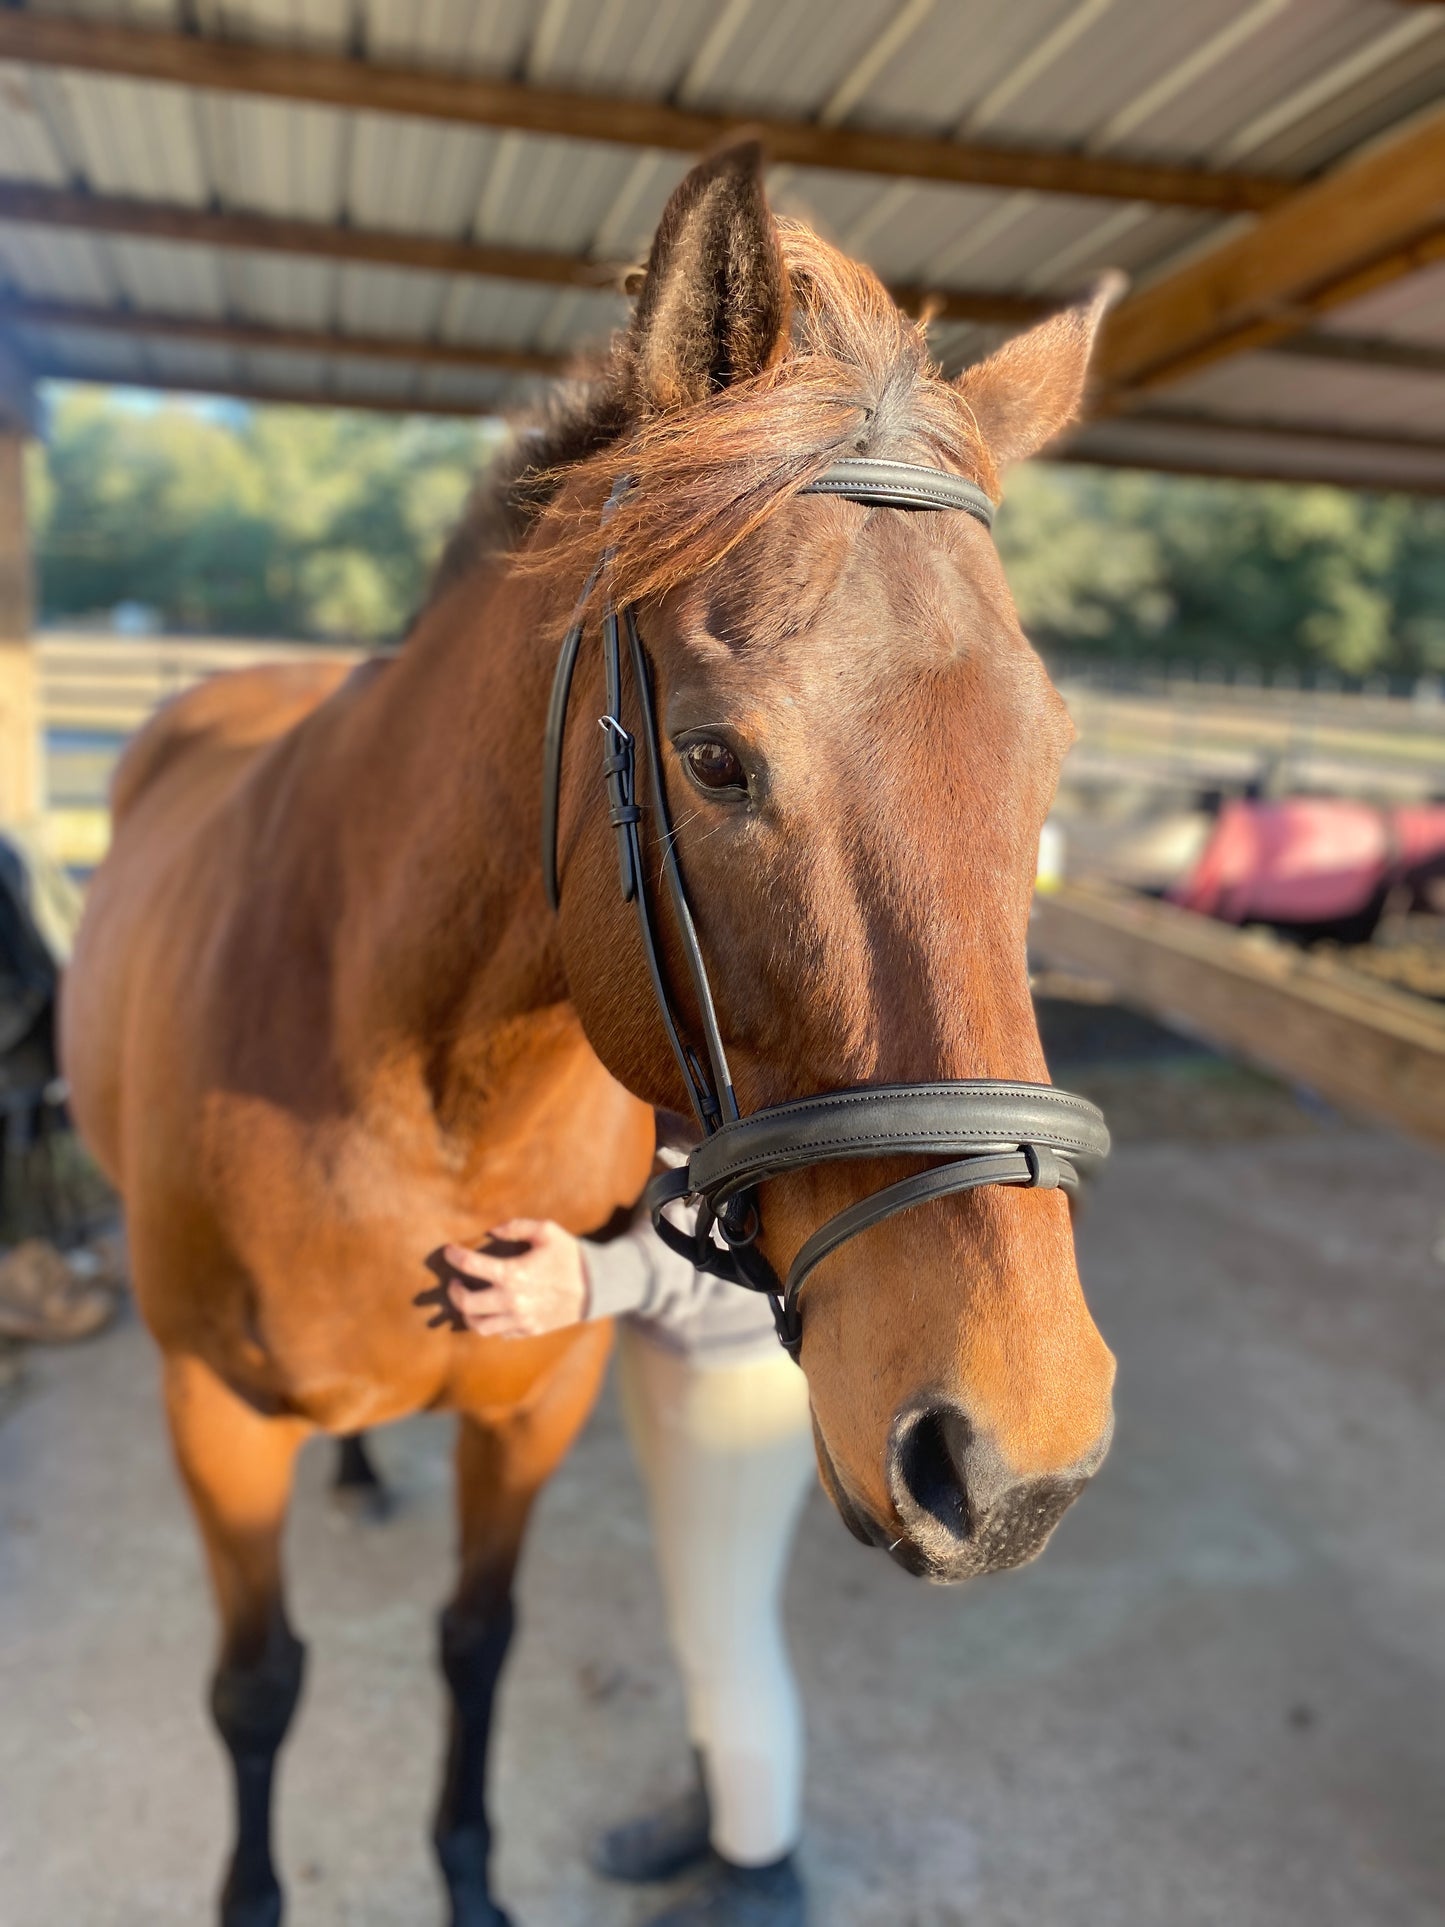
<point x="1217" y="1701"/>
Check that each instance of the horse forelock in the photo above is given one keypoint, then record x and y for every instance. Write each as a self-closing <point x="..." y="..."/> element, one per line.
<point x="857" y="379"/>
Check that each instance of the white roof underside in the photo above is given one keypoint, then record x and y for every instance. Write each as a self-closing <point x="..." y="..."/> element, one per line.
<point x="1263" y="86"/>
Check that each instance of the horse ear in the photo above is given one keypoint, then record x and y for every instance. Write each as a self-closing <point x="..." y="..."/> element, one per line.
<point x="1032" y="387"/>
<point x="715" y="302"/>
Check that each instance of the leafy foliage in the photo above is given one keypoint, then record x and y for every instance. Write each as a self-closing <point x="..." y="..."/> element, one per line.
<point x="267" y="521"/>
<point x="1132" y="564"/>
<point x="280" y="521"/>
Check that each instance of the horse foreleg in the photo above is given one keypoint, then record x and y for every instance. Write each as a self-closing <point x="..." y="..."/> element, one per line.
<point x="476" y="1630"/>
<point x="237" y="1468"/>
<point x="501" y="1466"/>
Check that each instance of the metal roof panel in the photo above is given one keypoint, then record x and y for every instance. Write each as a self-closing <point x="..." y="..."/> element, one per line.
<point x="127" y="136"/>
<point x="788" y="60"/>
<point x="479" y="36"/>
<point x="1273" y="388"/>
<point x="166" y="276"/>
<point x="622" y="46"/>
<point x="275" y="159"/>
<point x="1147" y="445"/>
<point x="1409" y="310"/>
<point x="298" y="23"/>
<point x="408" y="175"/>
<point x="65" y="267"/>
<point x="282" y="289"/>
<point x="28" y="150"/>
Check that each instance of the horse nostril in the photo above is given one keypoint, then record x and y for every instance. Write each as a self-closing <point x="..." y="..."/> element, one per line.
<point x="964" y="1509"/>
<point x="927" y="1457"/>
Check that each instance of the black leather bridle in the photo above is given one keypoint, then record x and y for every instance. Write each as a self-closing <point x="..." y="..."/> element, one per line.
<point x="991" y="1132"/>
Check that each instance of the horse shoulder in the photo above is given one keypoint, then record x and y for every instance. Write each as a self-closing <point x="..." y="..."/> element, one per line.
<point x="235" y="711"/>
<point x="156" y="882"/>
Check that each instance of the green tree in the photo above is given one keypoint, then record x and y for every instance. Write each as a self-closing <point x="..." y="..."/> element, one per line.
<point x="1131" y="564"/>
<point x="266" y="521"/>
<point x="298" y="522"/>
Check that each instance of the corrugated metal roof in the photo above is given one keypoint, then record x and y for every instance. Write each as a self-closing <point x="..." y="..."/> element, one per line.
<point x="1193" y="450"/>
<point x="1283" y="86"/>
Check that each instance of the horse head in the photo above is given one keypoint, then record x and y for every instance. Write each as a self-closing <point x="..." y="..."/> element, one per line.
<point x="859" y="748"/>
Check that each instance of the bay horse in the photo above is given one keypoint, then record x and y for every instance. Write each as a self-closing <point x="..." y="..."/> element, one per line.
<point x="320" y="1018"/>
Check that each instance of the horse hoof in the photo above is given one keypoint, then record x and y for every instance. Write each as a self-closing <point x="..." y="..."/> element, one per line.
<point x="478" y="1910"/>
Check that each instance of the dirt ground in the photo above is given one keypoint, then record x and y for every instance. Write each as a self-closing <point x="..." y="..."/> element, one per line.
<point x="1218" y="1700"/>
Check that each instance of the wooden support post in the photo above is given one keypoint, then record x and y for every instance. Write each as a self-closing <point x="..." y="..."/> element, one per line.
<point x="19" y="699"/>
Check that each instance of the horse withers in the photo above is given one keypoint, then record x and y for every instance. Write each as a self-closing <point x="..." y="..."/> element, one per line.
<point x="320" y="1018"/>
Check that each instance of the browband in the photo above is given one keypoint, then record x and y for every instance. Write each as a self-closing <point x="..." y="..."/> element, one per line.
<point x="902" y="485"/>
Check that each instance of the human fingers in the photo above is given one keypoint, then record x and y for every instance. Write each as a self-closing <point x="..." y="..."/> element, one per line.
<point x="527" y="1231"/>
<point x="481" y="1265"/>
<point x="487" y="1301"/>
<point x="490" y="1314"/>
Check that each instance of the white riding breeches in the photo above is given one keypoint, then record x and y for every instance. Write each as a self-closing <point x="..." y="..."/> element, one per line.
<point x="726" y="1451"/>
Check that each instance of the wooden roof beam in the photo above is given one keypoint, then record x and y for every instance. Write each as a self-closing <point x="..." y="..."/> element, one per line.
<point x="1361" y="482"/>
<point x="342" y="81"/>
<point x="219" y="331"/>
<point x="270" y="393"/>
<point x="1372" y="220"/>
<point x="1272" y="427"/>
<point x="1366" y="351"/>
<point x="28" y="204"/>
<point x="146" y="220"/>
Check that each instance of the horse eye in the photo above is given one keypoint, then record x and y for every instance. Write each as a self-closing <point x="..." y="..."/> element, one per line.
<point x="714" y="765"/>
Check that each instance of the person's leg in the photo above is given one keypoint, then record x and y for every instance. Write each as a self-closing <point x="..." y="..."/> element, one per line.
<point x="727" y="1456"/>
<point x="676" y="1833"/>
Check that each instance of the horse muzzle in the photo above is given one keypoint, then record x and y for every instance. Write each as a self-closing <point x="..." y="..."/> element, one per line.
<point x="959" y="1510"/>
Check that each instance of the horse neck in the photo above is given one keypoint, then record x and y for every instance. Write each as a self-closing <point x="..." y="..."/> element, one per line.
<point x="445" y="937"/>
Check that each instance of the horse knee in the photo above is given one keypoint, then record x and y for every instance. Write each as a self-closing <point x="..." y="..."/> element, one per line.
<point x="253" y="1705"/>
<point x="473" y="1645"/>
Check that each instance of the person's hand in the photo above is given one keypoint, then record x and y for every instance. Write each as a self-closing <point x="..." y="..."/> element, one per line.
<point x="539" y="1288"/>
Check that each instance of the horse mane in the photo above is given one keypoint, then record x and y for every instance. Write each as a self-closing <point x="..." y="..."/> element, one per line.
<point x="857" y="378"/>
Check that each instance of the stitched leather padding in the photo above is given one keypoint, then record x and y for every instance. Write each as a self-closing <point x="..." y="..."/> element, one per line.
<point x="903" y="485"/>
<point x="974" y="1115"/>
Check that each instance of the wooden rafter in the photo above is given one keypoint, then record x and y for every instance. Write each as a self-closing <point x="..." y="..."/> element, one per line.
<point x="26" y="203"/>
<point x="1367" y="351"/>
<point x="1273" y="428"/>
<point x="29" y="204"/>
<point x="420" y="352"/>
<point x="225" y="333"/>
<point x="1166" y="462"/>
<point x="342" y="81"/>
<point x="273" y="393"/>
<point x="1287" y="319"/>
<point x="1369" y="222"/>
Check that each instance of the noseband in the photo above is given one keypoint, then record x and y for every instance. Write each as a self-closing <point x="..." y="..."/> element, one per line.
<point x="991" y="1132"/>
